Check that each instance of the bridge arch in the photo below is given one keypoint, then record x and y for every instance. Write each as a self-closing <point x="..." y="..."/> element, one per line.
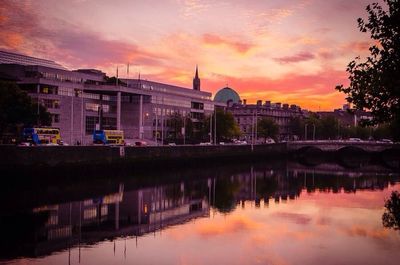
<point x="310" y="155"/>
<point x="350" y="149"/>
<point x="308" y="149"/>
<point x="390" y="157"/>
<point x="352" y="156"/>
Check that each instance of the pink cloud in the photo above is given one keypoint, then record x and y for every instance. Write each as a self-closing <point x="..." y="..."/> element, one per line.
<point x="241" y="47"/>
<point x="299" y="57"/>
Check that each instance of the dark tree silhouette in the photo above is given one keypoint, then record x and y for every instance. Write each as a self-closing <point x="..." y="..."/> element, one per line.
<point x="18" y="110"/>
<point x="227" y="128"/>
<point x="391" y="216"/>
<point x="267" y="127"/>
<point x="375" y="83"/>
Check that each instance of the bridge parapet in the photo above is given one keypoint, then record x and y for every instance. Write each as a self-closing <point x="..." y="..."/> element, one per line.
<point x="336" y="145"/>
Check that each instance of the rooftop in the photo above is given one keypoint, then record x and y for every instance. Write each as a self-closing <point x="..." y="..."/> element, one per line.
<point x="14" y="58"/>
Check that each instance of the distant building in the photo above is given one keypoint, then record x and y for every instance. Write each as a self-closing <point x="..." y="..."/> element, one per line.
<point x="83" y="100"/>
<point x="346" y="116"/>
<point x="247" y="115"/>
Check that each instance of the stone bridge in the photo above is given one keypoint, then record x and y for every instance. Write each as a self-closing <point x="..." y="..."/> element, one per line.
<point x="340" y="145"/>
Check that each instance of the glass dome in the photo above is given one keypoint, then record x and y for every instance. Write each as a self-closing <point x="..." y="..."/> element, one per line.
<point x="226" y="95"/>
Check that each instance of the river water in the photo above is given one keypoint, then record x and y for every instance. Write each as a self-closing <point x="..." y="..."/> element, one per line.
<point x="265" y="213"/>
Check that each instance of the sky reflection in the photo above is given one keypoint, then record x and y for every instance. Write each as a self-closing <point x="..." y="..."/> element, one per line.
<point x="257" y="216"/>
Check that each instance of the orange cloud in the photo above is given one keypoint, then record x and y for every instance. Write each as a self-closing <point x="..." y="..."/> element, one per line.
<point x="11" y="40"/>
<point x="358" y="46"/>
<point x="241" y="47"/>
<point x="314" y="92"/>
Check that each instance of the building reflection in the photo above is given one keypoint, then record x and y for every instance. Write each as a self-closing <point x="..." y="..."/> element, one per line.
<point x="135" y="212"/>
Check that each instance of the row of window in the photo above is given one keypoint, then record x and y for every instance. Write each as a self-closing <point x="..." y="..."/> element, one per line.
<point x="95" y="107"/>
<point x="264" y="111"/>
<point x="184" y="103"/>
<point x="246" y="120"/>
<point x="60" y="77"/>
<point x="167" y="111"/>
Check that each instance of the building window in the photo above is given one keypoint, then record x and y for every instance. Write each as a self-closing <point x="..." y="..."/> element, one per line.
<point x="56" y="118"/>
<point x="90" y="124"/>
<point x="51" y="103"/>
<point x="197" y="105"/>
<point x="109" y="123"/>
<point x="95" y="107"/>
<point x="48" y="90"/>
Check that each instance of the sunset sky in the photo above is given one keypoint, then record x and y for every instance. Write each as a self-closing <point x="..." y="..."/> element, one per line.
<point x="289" y="51"/>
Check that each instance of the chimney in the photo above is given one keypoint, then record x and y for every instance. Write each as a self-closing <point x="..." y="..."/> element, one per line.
<point x="244" y="101"/>
<point x="259" y="102"/>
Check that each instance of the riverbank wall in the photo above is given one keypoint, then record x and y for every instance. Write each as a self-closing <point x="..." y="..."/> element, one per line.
<point x="54" y="156"/>
<point x="73" y="159"/>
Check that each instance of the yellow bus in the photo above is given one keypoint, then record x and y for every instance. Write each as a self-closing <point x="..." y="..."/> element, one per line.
<point x="42" y="135"/>
<point x="108" y="137"/>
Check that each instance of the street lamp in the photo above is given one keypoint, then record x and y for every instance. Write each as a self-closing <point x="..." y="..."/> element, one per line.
<point x="305" y="131"/>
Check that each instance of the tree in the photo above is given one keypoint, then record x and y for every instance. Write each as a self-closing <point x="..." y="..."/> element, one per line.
<point x="227" y="128"/>
<point x="296" y="127"/>
<point x="267" y="127"/>
<point x="175" y="125"/>
<point x="18" y="110"/>
<point x="328" y="128"/>
<point x="391" y="216"/>
<point x="312" y="127"/>
<point x="375" y="83"/>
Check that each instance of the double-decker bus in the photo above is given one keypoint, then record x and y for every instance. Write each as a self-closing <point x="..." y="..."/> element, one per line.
<point x="42" y="135"/>
<point x="108" y="137"/>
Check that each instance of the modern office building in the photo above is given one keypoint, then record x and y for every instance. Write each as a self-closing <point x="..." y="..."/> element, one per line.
<point x="247" y="115"/>
<point x="85" y="99"/>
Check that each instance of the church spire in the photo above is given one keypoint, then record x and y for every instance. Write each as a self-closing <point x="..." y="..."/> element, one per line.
<point x="196" y="80"/>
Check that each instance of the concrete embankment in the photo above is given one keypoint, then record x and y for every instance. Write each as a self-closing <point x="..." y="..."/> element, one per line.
<point x="109" y="159"/>
<point x="13" y="157"/>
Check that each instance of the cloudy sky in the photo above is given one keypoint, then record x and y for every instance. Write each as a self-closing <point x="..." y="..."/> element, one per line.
<point x="291" y="51"/>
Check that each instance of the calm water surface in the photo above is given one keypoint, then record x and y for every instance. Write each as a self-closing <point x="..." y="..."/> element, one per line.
<point x="251" y="214"/>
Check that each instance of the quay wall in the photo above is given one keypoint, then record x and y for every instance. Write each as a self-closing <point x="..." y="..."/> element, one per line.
<point x="52" y="156"/>
<point x="70" y="158"/>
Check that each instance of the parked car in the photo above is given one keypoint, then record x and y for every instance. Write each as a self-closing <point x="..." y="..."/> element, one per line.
<point x="355" y="140"/>
<point x="388" y="141"/>
<point x="269" y="141"/>
<point x="140" y="143"/>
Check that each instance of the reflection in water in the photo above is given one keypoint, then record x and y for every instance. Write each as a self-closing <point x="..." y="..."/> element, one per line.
<point x="132" y="211"/>
<point x="391" y="217"/>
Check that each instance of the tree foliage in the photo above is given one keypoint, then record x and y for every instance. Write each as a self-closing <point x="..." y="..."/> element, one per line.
<point x="296" y="127"/>
<point x="227" y="128"/>
<point x="391" y="216"/>
<point x="17" y="110"/>
<point x="375" y="83"/>
<point x="267" y="127"/>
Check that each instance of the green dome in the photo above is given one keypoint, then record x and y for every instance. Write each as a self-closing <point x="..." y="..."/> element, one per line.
<point x="226" y="95"/>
